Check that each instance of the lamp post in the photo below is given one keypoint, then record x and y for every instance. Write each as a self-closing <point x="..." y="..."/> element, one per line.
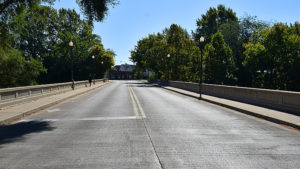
<point x="168" y="56"/>
<point x="92" y="76"/>
<point x="201" y="69"/>
<point x="103" y="69"/>
<point x="71" y="54"/>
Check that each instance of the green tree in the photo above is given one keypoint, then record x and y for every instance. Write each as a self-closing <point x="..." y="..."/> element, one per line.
<point x="16" y="71"/>
<point x="273" y="57"/>
<point x="210" y="22"/>
<point x="151" y="53"/>
<point x="248" y="25"/>
<point x="219" y="64"/>
<point x="40" y="34"/>
<point x="101" y="61"/>
<point x="94" y="10"/>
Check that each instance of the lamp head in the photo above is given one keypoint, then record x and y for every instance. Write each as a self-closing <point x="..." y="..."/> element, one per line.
<point x="71" y="44"/>
<point x="202" y="39"/>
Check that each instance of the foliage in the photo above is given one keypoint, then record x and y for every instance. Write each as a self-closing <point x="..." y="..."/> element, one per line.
<point x="247" y="26"/>
<point x="16" y="71"/>
<point x="218" y="61"/>
<point x="102" y="62"/>
<point x="236" y="32"/>
<point x="244" y="52"/>
<point x="37" y="39"/>
<point x="95" y="10"/>
<point x="273" y="57"/>
<point x="210" y="22"/>
<point x="151" y="53"/>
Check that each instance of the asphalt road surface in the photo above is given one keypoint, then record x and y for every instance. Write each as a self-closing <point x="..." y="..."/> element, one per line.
<point x="130" y="124"/>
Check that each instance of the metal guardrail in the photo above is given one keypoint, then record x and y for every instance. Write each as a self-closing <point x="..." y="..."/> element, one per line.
<point x="10" y="96"/>
<point x="286" y="101"/>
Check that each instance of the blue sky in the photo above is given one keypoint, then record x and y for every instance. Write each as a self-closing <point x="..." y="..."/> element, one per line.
<point x="132" y="20"/>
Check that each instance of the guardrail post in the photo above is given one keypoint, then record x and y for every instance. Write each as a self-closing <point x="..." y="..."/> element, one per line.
<point x="16" y="94"/>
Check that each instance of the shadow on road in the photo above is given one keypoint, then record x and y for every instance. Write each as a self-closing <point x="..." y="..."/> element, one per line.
<point x="16" y="132"/>
<point x="147" y="85"/>
<point x="143" y="84"/>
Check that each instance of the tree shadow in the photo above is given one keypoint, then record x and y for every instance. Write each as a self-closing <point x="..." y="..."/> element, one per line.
<point x="147" y="85"/>
<point x="136" y="83"/>
<point x="143" y="84"/>
<point x="16" y="132"/>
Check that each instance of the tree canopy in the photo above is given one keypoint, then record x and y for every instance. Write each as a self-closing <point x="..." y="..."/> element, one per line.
<point x="151" y="53"/>
<point x="273" y="57"/>
<point x="37" y="41"/>
<point x="219" y="65"/>
<point x="94" y="10"/>
<point x="237" y="51"/>
<point x="210" y="22"/>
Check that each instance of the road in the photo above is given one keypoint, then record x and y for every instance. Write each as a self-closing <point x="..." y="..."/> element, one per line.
<point x="130" y="124"/>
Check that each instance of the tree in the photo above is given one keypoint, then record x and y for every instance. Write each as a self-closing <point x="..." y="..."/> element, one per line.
<point x="151" y="53"/>
<point x="68" y="27"/>
<point x="273" y="57"/>
<point x="16" y="71"/>
<point x="94" y="10"/>
<point x="247" y="26"/>
<point x="218" y="61"/>
<point x="236" y="32"/>
<point x="210" y="22"/>
<point x="102" y="62"/>
<point x="34" y="36"/>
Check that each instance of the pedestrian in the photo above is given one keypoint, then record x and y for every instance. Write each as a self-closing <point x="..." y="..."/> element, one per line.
<point x="90" y="79"/>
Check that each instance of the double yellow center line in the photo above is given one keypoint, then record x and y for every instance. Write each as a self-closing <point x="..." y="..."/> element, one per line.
<point x="137" y="108"/>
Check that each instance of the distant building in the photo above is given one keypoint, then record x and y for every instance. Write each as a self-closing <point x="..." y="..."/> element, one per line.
<point x="122" y="72"/>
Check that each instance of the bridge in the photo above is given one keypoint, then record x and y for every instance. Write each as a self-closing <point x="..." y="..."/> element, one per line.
<point x="136" y="124"/>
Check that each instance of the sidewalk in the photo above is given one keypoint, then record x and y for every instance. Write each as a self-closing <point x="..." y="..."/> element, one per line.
<point x="12" y="113"/>
<point x="265" y="113"/>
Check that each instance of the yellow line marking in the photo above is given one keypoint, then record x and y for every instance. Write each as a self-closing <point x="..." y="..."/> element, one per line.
<point x="138" y="104"/>
<point x="135" y="109"/>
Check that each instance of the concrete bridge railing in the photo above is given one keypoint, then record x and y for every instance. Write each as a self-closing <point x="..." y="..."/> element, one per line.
<point x="286" y="101"/>
<point x="10" y="96"/>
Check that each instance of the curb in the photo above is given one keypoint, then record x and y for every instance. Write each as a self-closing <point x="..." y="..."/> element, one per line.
<point x="251" y="113"/>
<point x="24" y="114"/>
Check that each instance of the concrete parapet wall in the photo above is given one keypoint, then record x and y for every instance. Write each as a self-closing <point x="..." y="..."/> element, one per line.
<point x="275" y="99"/>
<point x="10" y="96"/>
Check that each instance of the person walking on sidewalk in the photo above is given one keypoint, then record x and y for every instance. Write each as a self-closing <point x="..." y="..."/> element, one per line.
<point x="90" y="79"/>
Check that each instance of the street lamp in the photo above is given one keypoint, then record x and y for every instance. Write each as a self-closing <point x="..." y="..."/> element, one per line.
<point x="71" y="54"/>
<point x="201" y="69"/>
<point x="103" y="69"/>
<point x="168" y="56"/>
<point x="93" y="57"/>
